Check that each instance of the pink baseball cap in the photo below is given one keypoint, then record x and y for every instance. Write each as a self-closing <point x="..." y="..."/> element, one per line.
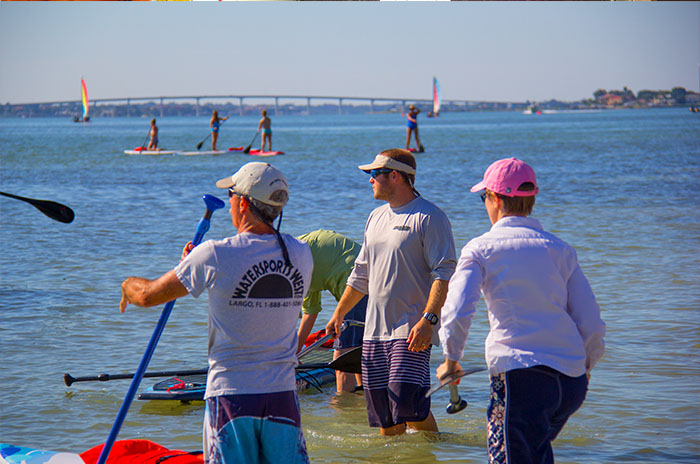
<point x="506" y="176"/>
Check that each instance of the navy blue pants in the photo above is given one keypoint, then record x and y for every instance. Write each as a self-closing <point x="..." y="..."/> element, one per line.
<point x="528" y="409"/>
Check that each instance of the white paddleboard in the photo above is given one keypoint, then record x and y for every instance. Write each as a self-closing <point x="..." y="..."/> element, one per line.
<point x="202" y="152"/>
<point x="19" y="455"/>
<point x="149" y="152"/>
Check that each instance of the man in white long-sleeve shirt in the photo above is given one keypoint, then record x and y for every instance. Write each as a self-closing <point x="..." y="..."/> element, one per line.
<point x="546" y="331"/>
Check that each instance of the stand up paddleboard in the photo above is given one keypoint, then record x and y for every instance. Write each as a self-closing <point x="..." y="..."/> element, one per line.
<point x="192" y="387"/>
<point x="257" y="152"/>
<point x="265" y="153"/>
<point x="123" y="452"/>
<point x="143" y="151"/>
<point x="10" y="454"/>
<point x="202" y="152"/>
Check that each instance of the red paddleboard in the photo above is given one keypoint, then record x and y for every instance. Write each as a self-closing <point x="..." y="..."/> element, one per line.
<point x="141" y="451"/>
<point x="265" y="153"/>
<point x="256" y="152"/>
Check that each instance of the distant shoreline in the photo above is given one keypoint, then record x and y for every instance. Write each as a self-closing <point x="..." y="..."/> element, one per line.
<point x="149" y="110"/>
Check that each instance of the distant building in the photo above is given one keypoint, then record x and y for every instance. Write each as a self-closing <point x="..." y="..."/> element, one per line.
<point x="611" y="100"/>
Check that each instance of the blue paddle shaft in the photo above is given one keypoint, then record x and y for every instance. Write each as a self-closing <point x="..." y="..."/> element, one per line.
<point x="212" y="204"/>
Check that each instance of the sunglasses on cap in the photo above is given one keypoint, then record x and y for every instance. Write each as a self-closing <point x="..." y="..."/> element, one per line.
<point x="375" y="172"/>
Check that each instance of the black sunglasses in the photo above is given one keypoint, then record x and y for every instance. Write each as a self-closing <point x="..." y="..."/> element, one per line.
<point x="483" y="196"/>
<point x="375" y="172"/>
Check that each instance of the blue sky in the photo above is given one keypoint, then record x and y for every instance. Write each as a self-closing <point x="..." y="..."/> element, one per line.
<point x="490" y="51"/>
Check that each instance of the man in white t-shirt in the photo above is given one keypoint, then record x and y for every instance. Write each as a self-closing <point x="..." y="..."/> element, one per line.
<point x="405" y="264"/>
<point x="256" y="281"/>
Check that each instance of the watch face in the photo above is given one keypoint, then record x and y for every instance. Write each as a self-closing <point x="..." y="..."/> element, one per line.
<point x="432" y="318"/>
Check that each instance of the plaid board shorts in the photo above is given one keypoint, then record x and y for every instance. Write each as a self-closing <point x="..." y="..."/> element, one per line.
<point x="395" y="382"/>
<point x="254" y="429"/>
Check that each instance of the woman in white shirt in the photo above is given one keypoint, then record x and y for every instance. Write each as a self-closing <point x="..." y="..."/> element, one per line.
<point x="546" y="331"/>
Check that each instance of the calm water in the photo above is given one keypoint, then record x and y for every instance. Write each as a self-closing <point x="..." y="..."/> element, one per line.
<point x="621" y="186"/>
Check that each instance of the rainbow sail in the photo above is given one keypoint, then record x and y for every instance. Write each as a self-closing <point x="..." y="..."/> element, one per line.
<point x="86" y="102"/>
<point x="437" y="96"/>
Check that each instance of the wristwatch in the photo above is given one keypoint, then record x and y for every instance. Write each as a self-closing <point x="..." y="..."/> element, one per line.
<point x="430" y="317"/>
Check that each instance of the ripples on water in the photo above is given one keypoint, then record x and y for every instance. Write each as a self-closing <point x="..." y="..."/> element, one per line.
<point x="620" y="186"/>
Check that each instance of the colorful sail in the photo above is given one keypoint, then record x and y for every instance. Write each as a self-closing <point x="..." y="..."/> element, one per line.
<point x="86" y="102"/>
<point x="437" y="96"/>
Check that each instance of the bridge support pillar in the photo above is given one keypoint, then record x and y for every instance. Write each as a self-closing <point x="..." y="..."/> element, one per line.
<point x="240" y="106"/>
<point x="340" y="106"/>
<point x="196" y="107"/>
<point x="277" y="105"/>
<point x="308" y="106"/>
<point x="161" y="107"/>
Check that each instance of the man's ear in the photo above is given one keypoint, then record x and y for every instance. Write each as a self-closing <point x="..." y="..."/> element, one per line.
<point x="243" y="205"/>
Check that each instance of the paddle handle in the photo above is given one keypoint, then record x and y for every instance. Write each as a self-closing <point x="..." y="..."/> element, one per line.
<point x="319" y="342"/>
<point x="454" y="394"/>
<point x="456" y="401"/>
<point x="212" y="203"/>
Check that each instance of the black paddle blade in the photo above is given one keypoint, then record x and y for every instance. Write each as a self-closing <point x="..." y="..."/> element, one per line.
<point x="55" y="211"/>
<point x="247" y="149"/>
<point x="199" y="145"/>
<point x="350" y="362"/>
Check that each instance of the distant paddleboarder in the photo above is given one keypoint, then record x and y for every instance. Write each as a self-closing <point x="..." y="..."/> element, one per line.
<point x="412" y="127"/>
<point x="214" y="124"/>
<point x="153" y="144"/>
<point x="265" y="126"/>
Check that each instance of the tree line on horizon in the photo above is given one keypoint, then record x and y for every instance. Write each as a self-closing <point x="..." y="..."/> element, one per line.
<point x="625" y="97"/>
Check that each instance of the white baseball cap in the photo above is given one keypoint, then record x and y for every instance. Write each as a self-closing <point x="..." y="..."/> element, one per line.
<point x="260" y="181"/>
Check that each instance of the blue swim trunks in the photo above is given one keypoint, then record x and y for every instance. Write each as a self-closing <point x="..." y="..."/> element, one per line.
<point x="267" y="131"/>
<point x="252" y="429"/>
<point x="352" y="336"/>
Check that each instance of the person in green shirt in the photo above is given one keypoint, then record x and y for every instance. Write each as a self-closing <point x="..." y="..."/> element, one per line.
<point x="334" y="256"/>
